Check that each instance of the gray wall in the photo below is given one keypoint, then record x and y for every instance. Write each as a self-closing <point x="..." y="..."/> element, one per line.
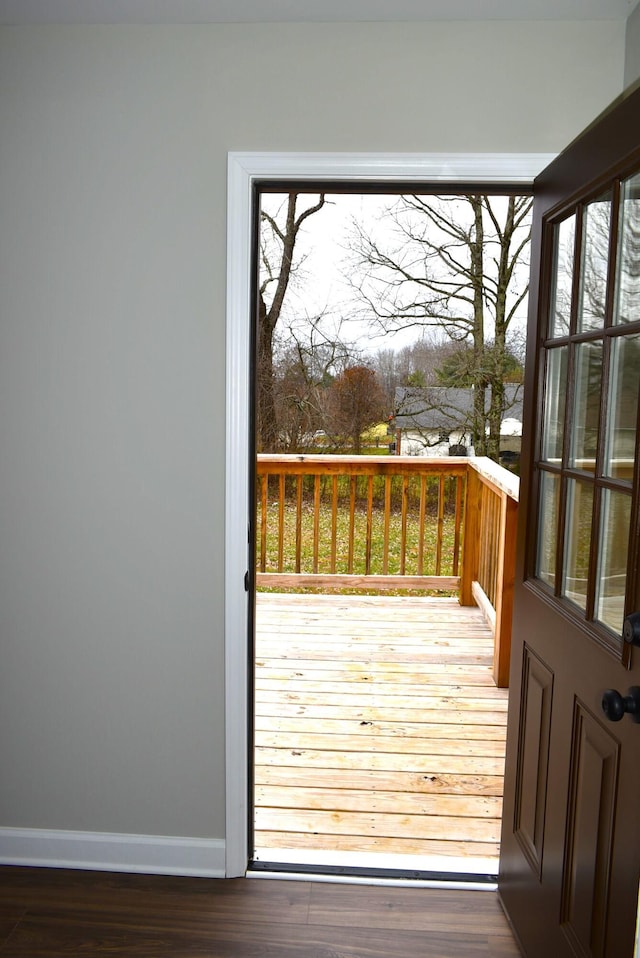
<point x="113" y="154"/>
<point x="632" y="58"/>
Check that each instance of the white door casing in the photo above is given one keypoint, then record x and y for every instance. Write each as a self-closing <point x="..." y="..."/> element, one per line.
<point x="245" y="169"/>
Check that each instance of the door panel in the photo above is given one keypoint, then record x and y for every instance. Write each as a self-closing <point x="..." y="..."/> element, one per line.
<point x="533" y="757"/>
<point x="593" y="786"/>
<point x="571" y="835"/>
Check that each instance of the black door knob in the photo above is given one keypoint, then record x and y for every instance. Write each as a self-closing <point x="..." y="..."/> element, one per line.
<point x="631" y="629"/>
<point x="615" y="705"/>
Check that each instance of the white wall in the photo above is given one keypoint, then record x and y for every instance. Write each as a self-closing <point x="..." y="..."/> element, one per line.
<point x="113" y="148"/>
<point x="632" y="55"/>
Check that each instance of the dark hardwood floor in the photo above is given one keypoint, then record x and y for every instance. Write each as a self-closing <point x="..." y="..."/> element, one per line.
<point x="48" y="913"/>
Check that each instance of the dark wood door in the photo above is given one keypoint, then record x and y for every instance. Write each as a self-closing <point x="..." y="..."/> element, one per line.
<point x="570" y="860"/>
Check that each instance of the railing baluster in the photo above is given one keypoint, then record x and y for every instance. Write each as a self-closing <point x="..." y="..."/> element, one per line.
<point x="387" y="521"/>
<point x="316" y="521"/>
<point x="334" y="523"/>
<point x="440" y="525"/>
<point x="403" y="533"/>
<point x="299" y="523"/>
<point x="281" y="523"/>
<point x="497" y="509"/>
<point x="485" y="544"/>
<point x="367" y="561"/>
<point x="352" y="521"/>
<point x="457" y="525"/>
<point x="263" y="522"/>
<point x="421" y="524"/>
<point x="495" y="530"/>
<point x="471" y="552"/>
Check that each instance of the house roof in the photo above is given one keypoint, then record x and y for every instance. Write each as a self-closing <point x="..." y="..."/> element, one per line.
<point x="444" y="408"/>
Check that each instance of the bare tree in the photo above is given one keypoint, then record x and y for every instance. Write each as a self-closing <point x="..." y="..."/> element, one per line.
<point x="453" y="263"/>
<point x="308" y="355"/>
<point x="417" y="364"/>
<point x="458" y="366"/>
<point x="356" y="402"/>
<point x="278" y="237"/>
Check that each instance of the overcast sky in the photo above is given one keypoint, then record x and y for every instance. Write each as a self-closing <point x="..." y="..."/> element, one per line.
<point x="320" y="284"/>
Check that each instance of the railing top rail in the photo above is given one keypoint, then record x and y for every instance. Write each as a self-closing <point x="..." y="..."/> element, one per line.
<point x="302" y="464"/>
<point x="294" y="463"/>
<point x="497" y="475"/>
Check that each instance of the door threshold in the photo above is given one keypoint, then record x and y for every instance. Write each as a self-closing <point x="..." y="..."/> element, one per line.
<point x="367" y="868"/>
<point x="391" y="880"/>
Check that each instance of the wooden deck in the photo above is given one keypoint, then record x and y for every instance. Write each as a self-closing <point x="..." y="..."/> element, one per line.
<point x="379" y="733"/>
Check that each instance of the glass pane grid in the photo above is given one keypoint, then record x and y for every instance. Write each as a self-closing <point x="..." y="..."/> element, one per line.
<point x="587" y="440"/>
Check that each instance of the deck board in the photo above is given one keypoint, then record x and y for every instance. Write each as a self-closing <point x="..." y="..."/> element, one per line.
<point x="378" y="728"/>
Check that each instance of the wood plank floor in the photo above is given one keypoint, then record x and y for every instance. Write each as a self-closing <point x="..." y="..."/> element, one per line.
<point x="48" y="913"/>
<point x="378" y="729"/>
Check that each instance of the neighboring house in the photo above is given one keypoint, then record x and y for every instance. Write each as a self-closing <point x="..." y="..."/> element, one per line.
<point x="438" y="421"/>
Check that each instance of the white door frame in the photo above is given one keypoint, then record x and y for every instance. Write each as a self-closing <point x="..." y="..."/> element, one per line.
<point x="244" y="169"/>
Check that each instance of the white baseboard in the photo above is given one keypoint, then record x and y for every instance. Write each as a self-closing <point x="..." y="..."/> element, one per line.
<point x="106" y="851"/>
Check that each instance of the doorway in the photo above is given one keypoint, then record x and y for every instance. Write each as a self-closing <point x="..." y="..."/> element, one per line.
<point x="244" y="171"/>
<point x="390" y="335"/>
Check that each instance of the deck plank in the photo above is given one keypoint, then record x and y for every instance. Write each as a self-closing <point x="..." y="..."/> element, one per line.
<point x="362" y="800"/>
<point x="375" y="780"/>
<point x="420" y="848"/>
<point x="357" y="697"/>
<point x="379" y="736"/>
<point x="379" y="824"/>
<point x="376" y="765"/>
<point x="378" y="727"/>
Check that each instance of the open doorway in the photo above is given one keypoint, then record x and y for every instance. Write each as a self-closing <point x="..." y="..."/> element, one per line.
<point x="379" y="686"/>
<point x="246" y="171"/>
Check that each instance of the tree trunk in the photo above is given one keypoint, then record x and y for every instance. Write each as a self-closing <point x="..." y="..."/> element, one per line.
<point x="267" y="420"/>
<point x="496" y="409"/>
<point x="476" y="248"/>
<point x="268" y="433"/>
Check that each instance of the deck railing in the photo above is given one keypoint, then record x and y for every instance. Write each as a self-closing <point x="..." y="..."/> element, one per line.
<point x="490" y="553"/>
<point x="391" y="522"/>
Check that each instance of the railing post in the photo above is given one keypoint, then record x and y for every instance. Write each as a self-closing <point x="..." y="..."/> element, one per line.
<point x="471" y="537"/>
<point x="504" y="591"/>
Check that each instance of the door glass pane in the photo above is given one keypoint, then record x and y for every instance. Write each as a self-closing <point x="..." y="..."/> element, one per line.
<point x="554" y="409"/>
<point x="588" y="384"/>
<point x="548" y="528"/>
<point x="595" y="259"/>
<point x="624" y="383"/>
<point x="577" y="541"/>
<point x="612" y="560"/>
<point x="628" y="279"/>
<point x="560" y="313"/>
